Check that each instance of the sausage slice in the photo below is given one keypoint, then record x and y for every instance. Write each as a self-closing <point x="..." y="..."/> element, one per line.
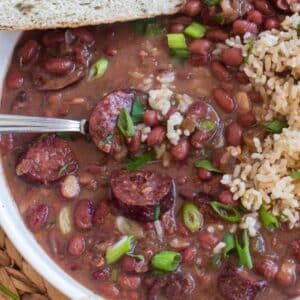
<point x="48" y="159"/>
<point x="138" y="194"/>
<point x="104" y="117"/>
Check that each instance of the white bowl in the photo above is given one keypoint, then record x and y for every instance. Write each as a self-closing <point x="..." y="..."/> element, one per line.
<point x="12" y="223"/>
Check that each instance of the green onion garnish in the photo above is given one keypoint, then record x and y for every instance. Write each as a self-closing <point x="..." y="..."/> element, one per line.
<point x="116" y="251"/>
<point x="137" y="256"/>
<point x="195" y="30"/>
<point x="166" y="261"/>
<point x="64" y="168"/>
<point x="192" y="217"/>
<point x="114" y="275"/>
<point x="64" y="135"/>
<point x="249" y="48"/>
<point x="176" y="41"/>
<point x="157" y="213"/>
<point x="212" y="2"/>
<point x="125" y="123"/>
<point x="148" y="27"/>
<point x="137" y="111"/>
<point x="268" y="219"/>
<point x="296" y="175"/>
<point x="276" y="126"/>
<point x="207" y="165"/>
<point x="180" y="53"/>
<point x="139" y="161"/>
<point x="244" y="251"/>
<point x="217" y="261"/>
<point x="98" y="69"/>
<point x="154" y="29"/>
<point x="106" y="140"/>
<point x="207" y="125"/>
<point x="230" y="243"/>
<point x="8" y="293"/>
<point x="226" y="212"/>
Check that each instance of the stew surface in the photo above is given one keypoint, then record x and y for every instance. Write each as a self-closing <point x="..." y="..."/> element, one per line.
<point x="135" y="209"/>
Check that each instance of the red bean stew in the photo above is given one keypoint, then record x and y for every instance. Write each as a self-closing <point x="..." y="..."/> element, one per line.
<point x="135" y="209"/>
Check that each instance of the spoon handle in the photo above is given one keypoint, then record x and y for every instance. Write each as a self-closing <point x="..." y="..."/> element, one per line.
<point x="25" y="124"/>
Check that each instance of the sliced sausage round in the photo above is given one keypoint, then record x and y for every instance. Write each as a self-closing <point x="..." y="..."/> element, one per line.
<point x="105" y="115"/>
<point x="138" y="194"/>
<point x="48" y="159"/>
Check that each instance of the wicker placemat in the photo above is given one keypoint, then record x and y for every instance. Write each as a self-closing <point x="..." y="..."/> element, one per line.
<point x="20" y="278"/>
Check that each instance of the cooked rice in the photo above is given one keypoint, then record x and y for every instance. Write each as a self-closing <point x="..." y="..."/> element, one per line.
<point x="264" y="177"/>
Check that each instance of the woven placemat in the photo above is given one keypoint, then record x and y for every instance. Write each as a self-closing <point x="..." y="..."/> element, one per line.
<point x="18" y="277"/>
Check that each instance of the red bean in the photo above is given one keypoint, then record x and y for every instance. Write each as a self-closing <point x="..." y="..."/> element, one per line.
<point x="204" y="174"/>
<point x="255" y="16"/>
<point x="255" y="97"/>
<point x="247" y="119"/>
<point x="224" y="100"/>
<point x="233" y="134"/>
<point x="232" y="57"/>
<point x="217" y="35"/>
<point x="226" y="197"/>
<point x="207" y="240"/>
<point x="286" y="276"/>
<point x="102" y="275"/>
<point x="133" y="295"/>
<point x="134" y="143"/>
<point x="76" y="245"/>
<point x="197" y="111"/>
<point x="189" y="254"/>
<point x="219" y="71"/>
<point x="176" y="28"/>
<point x="266" y="267"/>
<point x="181" y="150"/>
<point x="156" y="136"/>
<point x="84" y="36"/>
<point x="60" y="66"/>
<point x="29" y="51"/>
<point x="242" y="77"/>
<point x="240" y="27"/>
<point x="264" y="7"/>
<point x="271" y="23"/>
<point x="110" y="50"/>
<point x="132" y="265"/>
<point x="83" y="214"/>
<point x="201" y="46"/>
<point x="14" y="79"/>
<point x="192" y="8"/>
<point x="282" y="4"/>
<point x="109" y="290"/>
<point x="51" y="38"/>
<point x="37" y="218"/>
<point x="129" y="282"/>
<point x="199" y="137"/>
<point x="150" y="118"/>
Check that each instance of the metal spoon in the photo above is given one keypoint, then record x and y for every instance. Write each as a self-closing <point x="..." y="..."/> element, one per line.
<point x="26" y="124"/>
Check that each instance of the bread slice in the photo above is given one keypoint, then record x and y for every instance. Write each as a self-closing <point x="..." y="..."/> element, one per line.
<point x="42" y="14"/>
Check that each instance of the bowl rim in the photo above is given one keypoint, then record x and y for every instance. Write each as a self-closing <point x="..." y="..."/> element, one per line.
<point x="12" y="222"/>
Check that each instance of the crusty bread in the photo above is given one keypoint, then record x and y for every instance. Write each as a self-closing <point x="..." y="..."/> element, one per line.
<point x="42" y="14"/>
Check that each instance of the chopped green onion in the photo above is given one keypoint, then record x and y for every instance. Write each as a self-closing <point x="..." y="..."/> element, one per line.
<point x="207" y="125"/>
<point x="166" y="261"/>
<point x="195" y="30"/>
<point x="64" y="168"/>
<point x="125" y="123"/>
<point x="244" y="251"/>
<point x="296" y="175"/>
<point x="137" y="256"/>
<point x="8" y="293"/>
<point x="64" y="135"/>
<point x="249" y="47"/>
<point x="226" y="212"/>
<point x="276" y="126"/>
<point x="148" y="27"/>
<point x="219" y="19"/>
<point x="212" y="2"/>
<point x="180" y="53"/>
<point x="137" y="111"/>
<point x="98" y="69"/>
<point x="191" y="216"/>
<point x="114" y="275"/>
<point x="154" y="29"/>
<point x="230" y="243"/>
<point x="157" y="213"/>
<point x="207" y="165"/>
<point x="106" y="140"/>
<point x="217" y="261"/>
<point x="176" y="41"/>
<point x="268" y="219"/>
<point x="139" y="161"/>
<point x="116" y="251"/>
<point x="129" y="227"/>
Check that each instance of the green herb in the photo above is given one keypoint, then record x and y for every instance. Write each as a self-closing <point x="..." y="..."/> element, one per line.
<point x="195" y="30"/>
<point x="212" y="2"/>
<point x="298" y="29"/>
<point x="106" y="140"/>
<point x="249" y="47"/>
<point x="8" y="293"/>
<point x="64" y="168"/>
<point x="207" y="165"/>
<point x="226" y="212"/>
<point x="154" y="29"/>
<point x="64" y="135"/>
<point x="98" y="69"/>
<point x="230" y="243"/>
<point x="276" y="126"/>
<point x="125" y="123"/>
<point x="166" y="261"/>
<point x="137" y="111"/>
<point x="157" y="213"/>
<point x="220" y="19"/>
<point x="116" y="251"/>
<point x="148" y="27"/>
<point x="176" y="41"/>
<point x="207" y="125"/>
<point x="139" y="161"/>
<point x="181" y="54"/>
<point x="244" y="251"/>
<point x="217" y="261"/>
<point x="114" y="275"/>
<point x="192" y="217"/>
<point x="137" y="256"/>
<point x="296" y="175"/>
<point x="268" y="219"/>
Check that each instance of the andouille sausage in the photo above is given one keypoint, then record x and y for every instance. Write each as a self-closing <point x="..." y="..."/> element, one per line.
<point x="104" y="117"/>
<point x="48" y="159"/>
<point x="139" y="194"/>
